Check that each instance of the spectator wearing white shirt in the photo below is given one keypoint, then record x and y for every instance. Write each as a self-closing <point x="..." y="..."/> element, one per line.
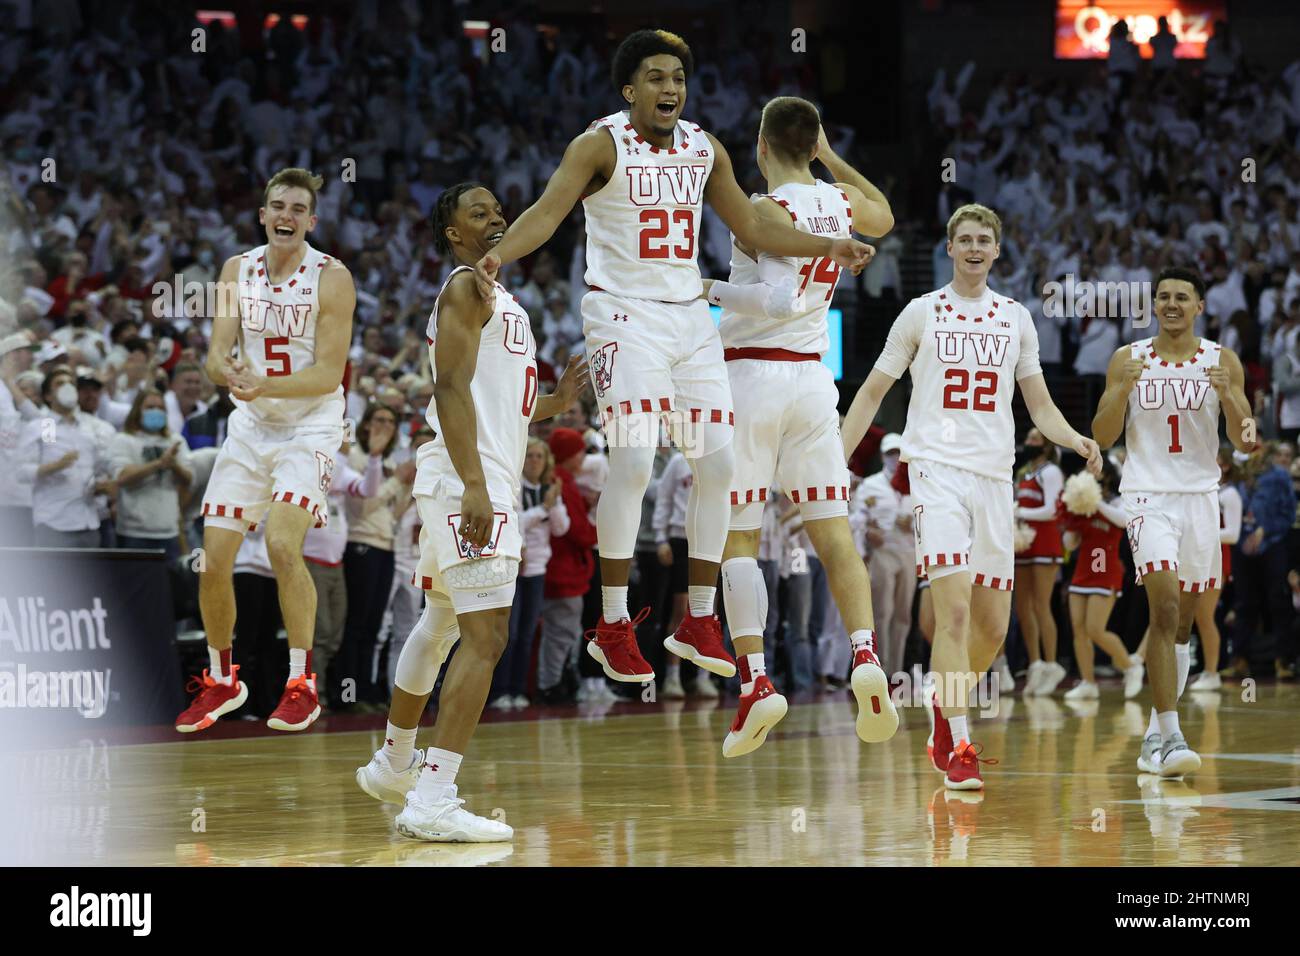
<point x="183" y="396"/>
<point x="152" y="470"/>
<point x="15" y="409"/>
<point x="67" y="462"/>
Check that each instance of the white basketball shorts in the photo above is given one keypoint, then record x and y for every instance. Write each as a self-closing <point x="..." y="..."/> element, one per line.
<point x="1176" y="531"/>
<point x="787" y="432"/>
<point x="962" y="521"/>
<point x="442" y="547"/>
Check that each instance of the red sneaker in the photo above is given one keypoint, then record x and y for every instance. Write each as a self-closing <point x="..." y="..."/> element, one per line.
<point x="298" y="707"/>
<point x="213" y="699"/>
<point x="759" y="711"/>
<point x="877" y="716"/>
<point x="614" y="645"/>
<point x="939" y="745"/>
<point x="699" y="640"/>
<point x="964" y="768"/>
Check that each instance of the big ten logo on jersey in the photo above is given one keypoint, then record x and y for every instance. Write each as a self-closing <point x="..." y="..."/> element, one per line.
<point x="473" y="551"/>
<point x="667" y="233"/>
<point x="324" y="471"/>
<point x="988" y="349"/>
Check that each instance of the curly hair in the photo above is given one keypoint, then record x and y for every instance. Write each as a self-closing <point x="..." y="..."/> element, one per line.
<point x="444" y="209"/>
<point x="636" y="47"/>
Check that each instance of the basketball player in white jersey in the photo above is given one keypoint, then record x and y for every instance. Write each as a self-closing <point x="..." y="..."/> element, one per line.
<point x="643" y="175"/>
<point x="1165" y="394"/>
<point x="280" y="340"/>
<point x="967" y="348"/>
<point x="467" y="480"/>
<point x="774" y="334"/>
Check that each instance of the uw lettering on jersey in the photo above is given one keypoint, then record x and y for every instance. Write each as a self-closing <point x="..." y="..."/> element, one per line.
<point x="504" y="389"/>
<point x="965" y="356"/>
<point x="643" y="225"/>
<point x="278" y="336"/>
<point x="819" y="209"/>
<point x="1172" y="431"/>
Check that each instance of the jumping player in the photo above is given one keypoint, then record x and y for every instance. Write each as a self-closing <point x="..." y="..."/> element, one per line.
<point x="967" y="347"/>
<point x="643" y="174"/>
<point x="1165" y="393"/>
<point x="285" y="313"/>
<point x="787" y="430"/>
<point x="467" y="480"/>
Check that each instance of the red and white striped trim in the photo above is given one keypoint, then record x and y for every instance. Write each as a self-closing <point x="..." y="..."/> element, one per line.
<point x="423" y="582"/>
<point x="942" y="560"/>
<point x="943" y="296"/>
<point x="222" y="511"/>
<point x="686" y="142"/>
<point x="1196" y="587"/>
<point x="660" y="404"/>
<point x="1152" y="566"/>
<point x="821" y="493"/>
<point x="712" y="415"/>
<point x="303" y="502"/>
<point x="750" y="495"/>
<point x="997" y="584"/>
<point x="783" y="204"/>
<point x="1164" y="364"/>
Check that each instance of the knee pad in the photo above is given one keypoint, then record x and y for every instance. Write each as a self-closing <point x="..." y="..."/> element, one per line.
<point x="427" y="647"/>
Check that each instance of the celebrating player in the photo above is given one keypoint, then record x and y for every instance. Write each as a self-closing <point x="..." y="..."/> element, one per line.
<point x="787" y="429"/>
<point x="1165" y="393"/>
<point x="643" y="174"/>
<point x="467" y="480"/>
<point x="286" y="311"/>
<point x="967" y="347"/>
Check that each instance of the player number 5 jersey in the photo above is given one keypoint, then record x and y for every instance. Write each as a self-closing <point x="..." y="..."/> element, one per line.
<point x="643" y="225"/>
<point x="1172" y="431"/>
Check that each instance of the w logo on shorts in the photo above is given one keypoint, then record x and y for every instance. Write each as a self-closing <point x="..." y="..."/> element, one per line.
<point x="472" y="551"/>
<point x="324" y="471"/>
<point x="602" y="368"/>
<point x="1134" y="529"/>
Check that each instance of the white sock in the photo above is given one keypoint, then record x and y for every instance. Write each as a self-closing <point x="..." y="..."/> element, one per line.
<point x="1168" y="724"/>
<point x="864" y="638"/>
<point x="1153" y="725"/>
<point x="674" y="668"/>
<point x="614" y="603"/>
<point x="439" y="773"/>
<point x="1183" y="661"/>
<point x="398" y="745"/>
<point x="960" y="735"/>
<point x="701" y="599"/>
<point x="297" y="662"/>
<point x="221" y="673"/>
<point x="752" y="667"/>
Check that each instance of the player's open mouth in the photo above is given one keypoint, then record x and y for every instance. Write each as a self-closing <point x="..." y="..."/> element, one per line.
<point x="283" y="231"/>
<point x="496" y="237"/>
<point x="974" y="260"/>
<point x="667" y="108"/>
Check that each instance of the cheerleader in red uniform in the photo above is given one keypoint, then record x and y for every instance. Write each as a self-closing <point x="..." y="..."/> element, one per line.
<point x="1208" y="601"/>
<point x="1097" y="582"/>
<point x="1037" y="492"/>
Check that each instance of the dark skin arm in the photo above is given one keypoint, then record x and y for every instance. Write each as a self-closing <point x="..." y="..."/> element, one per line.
<point x="573" y="383"/>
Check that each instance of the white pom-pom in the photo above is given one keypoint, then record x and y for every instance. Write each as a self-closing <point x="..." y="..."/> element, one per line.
<point x="1082" y="494"/>
<point x="1024" y="536"/>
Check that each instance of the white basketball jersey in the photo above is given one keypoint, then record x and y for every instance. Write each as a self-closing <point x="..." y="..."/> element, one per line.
<point x="821" y="210"/>
<point x="966" y="356"/>
<point x="643" y="225"/>
<point x="278" y="331"/>
<point x="504" y="389"/>
<point x="1172" y="432"/>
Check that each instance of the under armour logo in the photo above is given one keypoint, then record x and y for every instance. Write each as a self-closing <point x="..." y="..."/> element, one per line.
<point x="619" y="317"/>
<point x="431" y="766"/>
<point x="389" y="741"/>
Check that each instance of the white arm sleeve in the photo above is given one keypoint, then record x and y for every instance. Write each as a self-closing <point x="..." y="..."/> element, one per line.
<point x="775" y="296"/>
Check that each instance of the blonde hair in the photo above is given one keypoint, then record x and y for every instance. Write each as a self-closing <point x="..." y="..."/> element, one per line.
<point x="293" y="176"/>
<point x="980" y="214"/>
<point x="548" y="469"/>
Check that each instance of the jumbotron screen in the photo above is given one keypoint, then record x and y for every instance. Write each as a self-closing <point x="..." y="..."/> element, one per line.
<point x="1083" y="29"/>
<point x="834" y="357"/>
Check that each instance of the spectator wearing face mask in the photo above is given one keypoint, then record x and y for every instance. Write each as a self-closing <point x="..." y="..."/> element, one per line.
<point x="68" y="465"/>
<point x="153" y="473"/>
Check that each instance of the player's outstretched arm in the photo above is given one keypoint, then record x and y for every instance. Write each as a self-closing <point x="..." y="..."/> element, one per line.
<point x="758" y="229"/>
<point x="225" y="324"/>
<point x="461" y="314"/>
<point x="568" y="389"/>
<point x="587" y="157"/>
<point x="872" y="215"/>
<point x="1229" y="380"/>
<point x="1121" y="375"/>
<point x="863" y="410"/>
<point x="1049" y="420"/>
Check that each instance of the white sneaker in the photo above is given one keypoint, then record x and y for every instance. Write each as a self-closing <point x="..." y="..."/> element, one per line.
<point x="704" y="687"/>
<point x="443" y="821"/>
<point x="1176" y="758"/>
<point x="1033" y="678"/>
<point x="521" y="701"/>
<point x="672" y="688"/>
<point x="1006" y="680"/>
<point x="504" y="702"/>
<point x="1207" y="680"/>
<point x="1133" y="678"/>
<point x="605" y="693"/>
<point x="1053" y="674"/>
<point x="1149" y="759"/>
<point x="589" y="692"/>
<point x="381" y="781"/>
<point x="1084" y="690"/>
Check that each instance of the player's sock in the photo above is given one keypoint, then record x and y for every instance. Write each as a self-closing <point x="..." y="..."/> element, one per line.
<point x="864" y="638"/>
<point x="614" y="603"/>
<point x="1153" y="725"/>
<point x="752" y="667"/>
<point x="701" y="599"/>
<point x="439" y="773"/>
<point x="398" y="745"/>
<point x="219" y="664"/>
<point x="1183" y="661"/>
<point x="1169" y="724"/>
<point x="297" y="662"/>
<point x="745" y="596"/>
<point x="960" y="735"/>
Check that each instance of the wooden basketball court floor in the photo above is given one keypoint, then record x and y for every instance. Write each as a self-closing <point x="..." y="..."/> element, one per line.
<point x="646" y="785"/>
